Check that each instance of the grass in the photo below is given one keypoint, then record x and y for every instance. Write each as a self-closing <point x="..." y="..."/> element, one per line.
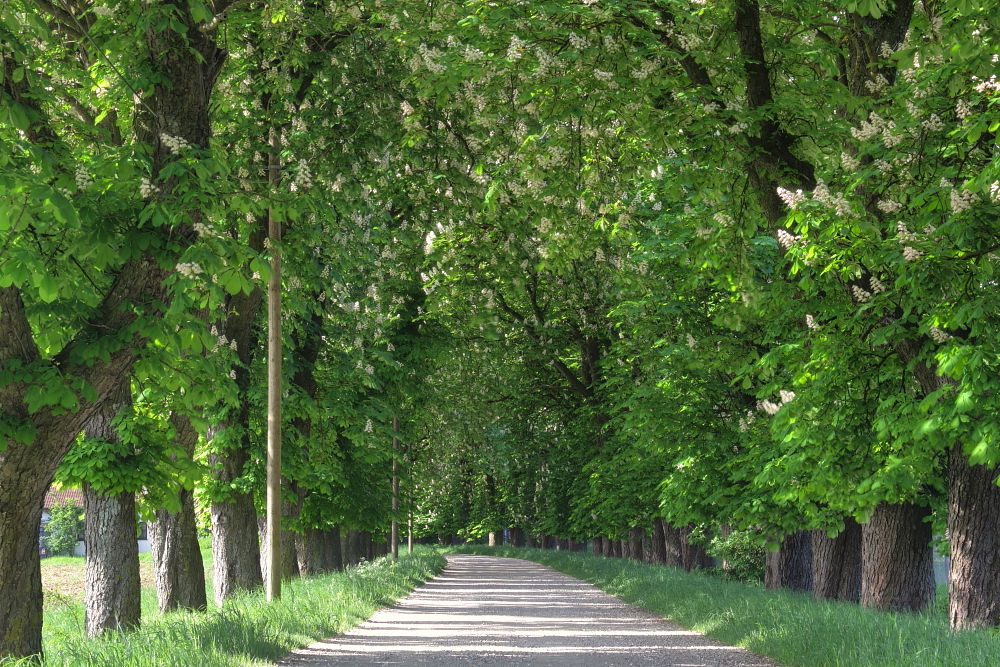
<point x="246" y="631"/>
<point x="788" y="627"/>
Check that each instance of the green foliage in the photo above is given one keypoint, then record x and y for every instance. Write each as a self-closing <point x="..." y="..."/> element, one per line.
<point x="741" y="555"/>
<point x="63" y="530"/>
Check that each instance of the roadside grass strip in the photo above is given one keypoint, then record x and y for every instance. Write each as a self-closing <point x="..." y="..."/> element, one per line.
<point x="788" y="627"/>
<point x="246" y="630"/>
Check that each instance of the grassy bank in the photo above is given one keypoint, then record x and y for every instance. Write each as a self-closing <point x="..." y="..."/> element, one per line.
<point x="246" y="631"/>
<point x="789" y="627"/>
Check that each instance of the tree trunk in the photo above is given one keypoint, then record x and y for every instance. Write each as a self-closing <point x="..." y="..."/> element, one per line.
<point x="332" y="555"/>
<point x="618" y="548"/>
<point x="608" y="547"/>
<point x="309" y="551"/>
<point x="897" y="558"/>
<point x="974" y="532"/>
<point x="563" y="545"/>
<point x="635" y="543"/>
<point x="516" y="537"/>
<point x="530" y="541"/>
<point x="353" y="547"/>
<point x="693" y="556"/>
<point x="673" y="545"/>
<point x="178" y="568"/>
<point x="492" y="539"/>
<point x="367" y="548"/>
<point x="658" y="545"/>
<point x="235" y="545"/>
<point x="111" y="592"/>
<point x="791" y="565"/>
<point x="111" y="580"/>
<point x="837" y="563"/>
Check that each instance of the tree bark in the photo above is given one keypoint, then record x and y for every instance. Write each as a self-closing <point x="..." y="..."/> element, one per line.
<point x="635" y="536"/>
<point x="178" y="568"/>
<point x="309" y="551"/>
<point x="897" y="558"/>
<point x="791" y="566"/>
<point x="492" y="538"/>
<point x="353" y="550"/>
<point x="658" y="543"/>
<point x="837" y="563"/>
<point x="693" y="556"/>
<point x="608" y="547"/>
<point x="619" y="547"/>
<point x="332" y="554"/>
<point x="112" y="590"/>
<point x="673" y="545"/>
<point x="235" y="545"/>
<point x="974" y="531"/>
<point x="516" y="537"/>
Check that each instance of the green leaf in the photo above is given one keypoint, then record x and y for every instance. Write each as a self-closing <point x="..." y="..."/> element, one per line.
<point x="48" y="289"/>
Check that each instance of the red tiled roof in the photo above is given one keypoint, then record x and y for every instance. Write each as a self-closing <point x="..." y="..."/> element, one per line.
<point x="53" y="497"/>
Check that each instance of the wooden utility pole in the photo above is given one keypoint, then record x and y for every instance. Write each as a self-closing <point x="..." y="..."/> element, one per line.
<point x="394" y="533"/>
<point x="273" y="390"/>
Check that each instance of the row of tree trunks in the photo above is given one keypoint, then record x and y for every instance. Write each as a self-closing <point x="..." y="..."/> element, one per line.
<point x="693" y="554"/>
<point x="836" y="563"/>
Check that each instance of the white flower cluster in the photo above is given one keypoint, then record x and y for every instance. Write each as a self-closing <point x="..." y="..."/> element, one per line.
<point x="989" y="86"/>
<point x="769" y="407"/>
<point x="791" y="199"/>
<point x="911" y="254"/>
<point x="303" y="176"/>
<point x="904" y="235"/>
<point x="963" y="109"/>
<point x="472" y="54"/>
<point x="515" y="48"/>
<point x="785" y="239"/>
<point x="913" y="109"/>
<point x="83" y="180"/>
<point x="932" y="124"/>
<point x="368" y="426"/>
<point x="147" y="189"/>
<point x="860" y="295"/>
<point x="961" y="200"/>
<point x="724" y="219"/>
<point x="786" y="396"/>
<point x="877" y="286"/>
<point x="877" y="85"/>
<point x="546" y="63"/>
<point x="102" y="10"/>
<point x="175" y="144"/>
<point x="646" y="68"/>
<point x="406" y="108"/>
<point x="577" y="42"/>
<point x="739" y="128"/>
<point x="889" y="206"/>
<point x="938" y="335"/>
<point x="188" y="269"/>
<point x="848" y="162"/>
<point x="427" y="56"/>
<point x="869" y="128"/>
<point x="811" y="322"/>
<point x="746" y="423"/>
<point x="838" y="203"/>
<point x="691" y="342"/>
<point x="710" y="108"/>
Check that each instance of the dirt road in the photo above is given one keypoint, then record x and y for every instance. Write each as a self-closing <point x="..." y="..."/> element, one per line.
<point x="497" y="611"/>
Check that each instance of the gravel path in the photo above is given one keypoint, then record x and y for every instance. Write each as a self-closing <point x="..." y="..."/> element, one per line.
<point x="498" y="611"/>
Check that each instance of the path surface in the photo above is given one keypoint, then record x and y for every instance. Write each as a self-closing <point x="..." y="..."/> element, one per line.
<point x="490" y="612"/>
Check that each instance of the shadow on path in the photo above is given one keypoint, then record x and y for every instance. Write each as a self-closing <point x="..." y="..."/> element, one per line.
<point x="499" y="611"/>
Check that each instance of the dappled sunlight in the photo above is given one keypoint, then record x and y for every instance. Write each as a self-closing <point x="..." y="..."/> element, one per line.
<point x="497" y="611"/>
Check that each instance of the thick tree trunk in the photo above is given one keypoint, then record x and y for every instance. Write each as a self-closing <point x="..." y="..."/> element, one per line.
<point x="673" y="545"/>
<point x="608" y="547"/>
<point x="111" y="580"/>
<point x="598" y="545"/>
<point x="791" y="566"/>
<point x="235" y="545"/>
<point x="837" y="563"/>
<point x="693" y="556"/>
<point x="492" y="539"/>
<point x="20" y="571"/>
<point x="366" y="548"/>
<point x="974" y="532"/>
<point x="635" y="536"/>
<point x="178" y="568"/>
<point x="658" y="545"/>
<point x="619" y="547"/>
<point x="353" y="547"/>
<point x="897" y="558"/>
<point x="516" y="537"/>
<point x="309" y="549"/>
<point x="332" y="555"/>
<point x="530" y="541"/>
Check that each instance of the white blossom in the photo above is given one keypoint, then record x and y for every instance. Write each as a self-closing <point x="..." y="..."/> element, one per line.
<point x="189" y="270"/>
<point x="175" y="144"/>
<point x="938" y="335"/>
<point x="962" y="200"/>
<point x="83" y="180"/>
<point x="811" y="322"/>
<point x="791" y="199"/>
<point x="860" y="295"/>
<point x="786" y="240"/>
<point x="877" y="286"/>
<point x="911" y="254"/>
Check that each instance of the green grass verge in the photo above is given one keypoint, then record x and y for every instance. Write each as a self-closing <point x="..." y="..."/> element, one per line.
<point x="789" y="627"/>
<point x="246" y="630"/>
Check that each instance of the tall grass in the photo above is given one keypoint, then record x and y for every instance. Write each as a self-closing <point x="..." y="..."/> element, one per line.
<point x="246" y="630"/>
<point x="789" y="627"/>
